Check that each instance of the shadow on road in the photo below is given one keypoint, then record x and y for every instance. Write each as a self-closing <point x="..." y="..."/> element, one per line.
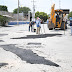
<point x="8" y="26"/>
<point x="28" y="55"/>
<point x="38" y="36"/>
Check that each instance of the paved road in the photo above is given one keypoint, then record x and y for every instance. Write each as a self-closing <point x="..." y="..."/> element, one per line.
<point x="25" y="51"/>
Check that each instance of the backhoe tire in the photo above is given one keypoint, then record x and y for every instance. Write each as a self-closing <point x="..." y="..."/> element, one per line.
<point x="50" y="28"/>
<point x="62" y="26"/>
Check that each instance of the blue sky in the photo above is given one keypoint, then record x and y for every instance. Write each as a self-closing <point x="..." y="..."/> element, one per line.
<point x="40" y="5"/>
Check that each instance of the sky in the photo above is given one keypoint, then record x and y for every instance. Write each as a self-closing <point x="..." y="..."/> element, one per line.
<point x="40" y="5"/>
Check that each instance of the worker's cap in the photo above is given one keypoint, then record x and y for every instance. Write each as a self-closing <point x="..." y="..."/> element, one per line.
<point x="37" y="17"/>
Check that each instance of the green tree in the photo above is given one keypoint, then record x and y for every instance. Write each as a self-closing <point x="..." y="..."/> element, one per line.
<point x="3" y="20"/>
<point x="41" y="15"/>
<point x="3" y="8"/>
<point x="70" y="14"/>
<point x="22" y="9"/>
<point x="37" y="14"/>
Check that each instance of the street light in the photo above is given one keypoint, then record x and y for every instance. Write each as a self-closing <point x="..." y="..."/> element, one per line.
<point x="33" y="14"/>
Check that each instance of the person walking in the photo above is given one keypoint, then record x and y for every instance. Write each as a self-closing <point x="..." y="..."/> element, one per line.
<point x="38" y="24"/>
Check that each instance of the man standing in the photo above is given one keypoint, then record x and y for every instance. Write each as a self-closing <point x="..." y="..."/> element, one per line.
<point x="30" y="25"/>
<point x="57" y="17"/>
<point x="38" y="24"/>
<point x="65" y="18"/>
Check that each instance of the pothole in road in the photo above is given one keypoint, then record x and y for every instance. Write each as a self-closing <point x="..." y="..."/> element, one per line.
<point x="28" y="55"/>
<point x="34" y="44"/>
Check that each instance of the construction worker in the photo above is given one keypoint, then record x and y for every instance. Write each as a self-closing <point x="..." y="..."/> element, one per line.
<point x="65" y="18"/>
<point x="57" y="18"/>
<point x="30" y="25"/>
<point x="48" y="21"/>
<point x="38" y="24"/>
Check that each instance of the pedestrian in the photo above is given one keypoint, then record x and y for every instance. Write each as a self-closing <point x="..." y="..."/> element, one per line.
<point x="30" y="25"/>
<point x="71" y="24"/>
<point x="38" y="24"/>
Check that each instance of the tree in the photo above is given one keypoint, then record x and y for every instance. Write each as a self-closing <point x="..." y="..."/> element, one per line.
<point x="3" y="20"/>
<point x="22" y="9"/>
<point x="41" y="15"/>
<point x="3" y="8"/>
<point x="70" y="14"/>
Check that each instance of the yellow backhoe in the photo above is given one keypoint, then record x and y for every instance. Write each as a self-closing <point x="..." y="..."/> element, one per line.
<point x="57" y="22"/>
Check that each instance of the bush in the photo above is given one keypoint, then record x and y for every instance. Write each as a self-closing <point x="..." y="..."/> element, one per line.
<point x="3" y="20"/>
<point x="70" y="14"/>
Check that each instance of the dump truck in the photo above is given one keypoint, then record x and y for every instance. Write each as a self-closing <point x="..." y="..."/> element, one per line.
<point x="57" y="24"/>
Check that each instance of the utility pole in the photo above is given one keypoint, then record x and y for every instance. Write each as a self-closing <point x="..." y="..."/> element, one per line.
<point x="18" y="14"/>
<point x="33" y="14"/>
<point x="29" y="15"/>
